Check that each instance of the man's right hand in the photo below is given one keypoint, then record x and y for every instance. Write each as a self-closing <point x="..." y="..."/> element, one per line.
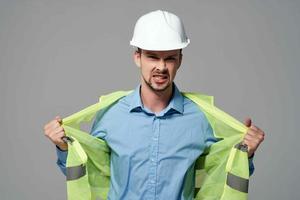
<point x="54" y="131"/>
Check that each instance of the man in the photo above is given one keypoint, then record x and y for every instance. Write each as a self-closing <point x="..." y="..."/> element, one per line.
<point x="155" y="133"/>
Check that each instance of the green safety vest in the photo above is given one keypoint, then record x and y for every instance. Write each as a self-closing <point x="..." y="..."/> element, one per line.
<point x="222" y="171"/>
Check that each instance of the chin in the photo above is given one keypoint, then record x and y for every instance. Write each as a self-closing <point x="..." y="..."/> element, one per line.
<point x="160" y="88"/>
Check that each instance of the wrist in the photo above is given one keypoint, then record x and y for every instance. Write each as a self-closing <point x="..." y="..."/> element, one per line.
<point x="251" y="156"/>
<point x="62" y="147"/>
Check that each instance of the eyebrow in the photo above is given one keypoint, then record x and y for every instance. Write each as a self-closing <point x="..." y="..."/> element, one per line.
<point x="153" y="54"/>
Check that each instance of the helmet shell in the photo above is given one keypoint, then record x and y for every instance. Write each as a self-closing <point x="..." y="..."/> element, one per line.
<point x="159" y="31"/>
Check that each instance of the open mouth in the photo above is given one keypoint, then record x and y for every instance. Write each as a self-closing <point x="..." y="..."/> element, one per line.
<point x="160" y="78"/>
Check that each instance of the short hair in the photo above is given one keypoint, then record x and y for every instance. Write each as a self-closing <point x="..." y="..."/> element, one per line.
<point x="139" y="50"/>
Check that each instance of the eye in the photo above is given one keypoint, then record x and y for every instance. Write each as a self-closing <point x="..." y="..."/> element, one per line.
<point x="152" y="57"/>
<point x="170" y="59"/>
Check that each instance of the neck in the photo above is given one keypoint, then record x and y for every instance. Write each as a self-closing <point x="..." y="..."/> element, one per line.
<point x="156" y="101"/>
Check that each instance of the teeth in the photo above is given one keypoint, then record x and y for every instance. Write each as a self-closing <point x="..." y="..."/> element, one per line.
<point x="160" y="76"/>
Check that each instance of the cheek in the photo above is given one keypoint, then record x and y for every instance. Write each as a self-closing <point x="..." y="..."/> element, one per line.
<point x="146" y="69"/>
<point x="146" y="73"/>
<point x="173" y="71"/>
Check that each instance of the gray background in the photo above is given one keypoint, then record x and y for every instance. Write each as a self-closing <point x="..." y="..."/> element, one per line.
<point x="57" y="57"/>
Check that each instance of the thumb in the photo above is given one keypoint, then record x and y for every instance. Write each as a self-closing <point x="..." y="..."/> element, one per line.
<point x="248" y="122"/>
<point x="58" y="119"/>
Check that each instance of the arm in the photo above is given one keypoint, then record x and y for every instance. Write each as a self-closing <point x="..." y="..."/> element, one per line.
<point x="62" y="153"/>
<point x="54" y="131"/>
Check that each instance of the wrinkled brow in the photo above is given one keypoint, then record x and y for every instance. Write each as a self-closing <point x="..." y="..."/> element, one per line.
<point x="154" y="54"/>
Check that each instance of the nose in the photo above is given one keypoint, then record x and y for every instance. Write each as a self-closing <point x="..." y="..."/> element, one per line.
<point x="161" y="65"/>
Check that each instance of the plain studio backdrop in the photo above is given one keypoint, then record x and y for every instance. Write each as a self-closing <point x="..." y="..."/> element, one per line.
<point x="57" y="57"/>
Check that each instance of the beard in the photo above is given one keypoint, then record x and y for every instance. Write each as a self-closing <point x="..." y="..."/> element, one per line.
<point x="156" y="87"/>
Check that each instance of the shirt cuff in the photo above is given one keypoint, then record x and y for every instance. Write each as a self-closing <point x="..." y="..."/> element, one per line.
<point x="251" y="165"/>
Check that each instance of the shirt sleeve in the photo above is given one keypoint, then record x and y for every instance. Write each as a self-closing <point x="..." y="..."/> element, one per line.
<point x="210" y="139"/>
<point x="97" y="129"/>
<point x="61" y="159"/>
<point x="251" y="166"/>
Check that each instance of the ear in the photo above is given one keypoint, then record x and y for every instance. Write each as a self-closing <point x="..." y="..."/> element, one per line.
<point x="180" y="59"/>
<point x="137" y="58"/>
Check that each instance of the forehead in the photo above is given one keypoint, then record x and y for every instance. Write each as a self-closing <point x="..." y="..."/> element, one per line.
<point x="162" y="53"/>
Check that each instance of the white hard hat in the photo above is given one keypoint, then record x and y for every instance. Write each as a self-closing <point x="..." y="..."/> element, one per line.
<point x="160" y="31"/>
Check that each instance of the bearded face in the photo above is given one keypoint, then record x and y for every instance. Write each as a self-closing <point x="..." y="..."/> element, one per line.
<point x="158" y="68"/>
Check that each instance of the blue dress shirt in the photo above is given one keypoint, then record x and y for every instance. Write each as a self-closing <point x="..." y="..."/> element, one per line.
<point x="152" y="154"/>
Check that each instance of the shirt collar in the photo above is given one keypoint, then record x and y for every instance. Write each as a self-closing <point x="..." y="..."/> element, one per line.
<point x="175" y="104"/>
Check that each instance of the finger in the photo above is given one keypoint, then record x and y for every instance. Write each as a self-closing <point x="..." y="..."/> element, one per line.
<point x="254" y="127"/>
<point x="47" y="126"/>
<point x="252" y="132"/>
<point x="258" y="134"/>
<point x="253" y="137"/>
<point x="52" y="133"/>
<point x="58" y="118"/>
<point x="246" y="142"/>
<point x="51" y="125"/>
<point x="250" y="137"/>
<point x="47" y="133"/>
<point x="257" y="129"/>
<point x="49" y="129"/>
<point x="58" y="138"/>
<point x="247" y="122"/>
<point x="251" y="146"/>
<point x="55" y="124"/>
<point x="58" y="129"/>
<point x="253" y="140"/>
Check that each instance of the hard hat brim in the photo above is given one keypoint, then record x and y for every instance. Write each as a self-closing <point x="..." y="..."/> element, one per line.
<point x="160" y="47"/>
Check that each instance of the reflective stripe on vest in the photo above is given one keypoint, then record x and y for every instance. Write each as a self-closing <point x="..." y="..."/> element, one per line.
<point x="75" y="172"/>
<point x="237" y="183"/>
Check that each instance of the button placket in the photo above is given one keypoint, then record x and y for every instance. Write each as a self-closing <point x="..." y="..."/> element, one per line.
<point x="154" y="157"/>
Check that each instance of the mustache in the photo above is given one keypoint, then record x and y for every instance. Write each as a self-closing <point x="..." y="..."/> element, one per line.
<point x="161" y="72"/>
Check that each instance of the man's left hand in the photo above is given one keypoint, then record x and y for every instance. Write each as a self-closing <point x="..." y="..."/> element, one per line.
<point x="253" y="137"/>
